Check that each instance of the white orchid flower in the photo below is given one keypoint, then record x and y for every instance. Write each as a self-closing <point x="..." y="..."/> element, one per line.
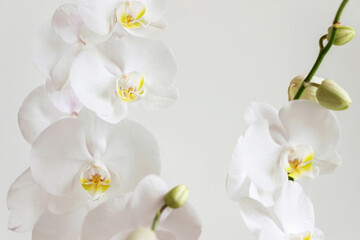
<point x="291" y="218"/>
<point x="137" y="17"/>
<point x="126" y="215"/>
<point x="127" y="71"/>
<point x="297" y="142"/>
<point x="76" y="164"/>
<point x="77" y="159"/>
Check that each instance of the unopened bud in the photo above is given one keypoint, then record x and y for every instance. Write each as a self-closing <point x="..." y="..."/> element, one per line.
<point x="332" y="96"/>
<point x="309" y="92"/>
<point x="142" y="233"/>
<point x="344" y="34"/>
<point x="177" y="196"/>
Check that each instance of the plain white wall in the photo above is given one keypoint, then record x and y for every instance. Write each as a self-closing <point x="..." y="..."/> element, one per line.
<point x="229" y="53"/>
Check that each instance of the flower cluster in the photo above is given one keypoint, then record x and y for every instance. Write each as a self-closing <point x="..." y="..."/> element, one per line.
<point x="93" y="173"/>
<point x="281" y="149"/>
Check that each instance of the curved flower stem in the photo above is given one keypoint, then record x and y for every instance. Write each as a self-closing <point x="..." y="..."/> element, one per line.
<point x="323" y="51"/>
<point x="157" y="217"/>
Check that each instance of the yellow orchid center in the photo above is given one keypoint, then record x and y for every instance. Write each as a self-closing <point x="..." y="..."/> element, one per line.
<point x="130" y="86"/>
<point x="308" y="237"/>
<point x="95" y="180"/>
<point x="130" y="14"/>
<point x="299" y="161"/>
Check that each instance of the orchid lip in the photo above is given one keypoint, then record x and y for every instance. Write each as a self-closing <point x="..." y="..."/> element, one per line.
<point x="130" y="86"/>
<point x="299" y="160"/>
<point x="131" y="14"/>
<point x="95" y="180"/>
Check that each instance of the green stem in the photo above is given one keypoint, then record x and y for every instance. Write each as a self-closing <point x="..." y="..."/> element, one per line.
<point x="157" y="217"/>
<point x="323" y="51"/>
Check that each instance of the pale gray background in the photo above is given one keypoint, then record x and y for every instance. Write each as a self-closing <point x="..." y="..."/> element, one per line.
<point x="229" y="53"/>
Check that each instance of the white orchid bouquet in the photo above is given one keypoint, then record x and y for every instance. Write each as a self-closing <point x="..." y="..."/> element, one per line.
<point x="94" y="174"/>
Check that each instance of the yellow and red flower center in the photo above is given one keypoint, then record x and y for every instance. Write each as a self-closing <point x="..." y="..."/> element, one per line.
<point x="95" y="180"/>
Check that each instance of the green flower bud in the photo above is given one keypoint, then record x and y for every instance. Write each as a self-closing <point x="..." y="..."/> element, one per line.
<point x="330" y="95"/>
<point x="309" y="92"/>
<point x="344" y="35"/>
<point x="142" y="233"/>
<point x="177" y="196"/>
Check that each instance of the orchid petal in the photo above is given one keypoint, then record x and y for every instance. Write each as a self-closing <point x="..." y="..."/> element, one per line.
<point x="262" y="156"/>
<point x="237" y="174"/>
<point x="263" y="111"/>
<point x="98" y="15"/>
<point x="67" y="23"/>
<point x="255" y="215"/>
<point x="328" y="165"/>
<point x="64" y="99"/>
<point x="307" y="123"/>
<point x="295" y="210"/>
<point x="60" y="227"/>
<point x="26" y="201"/>
<point x="37" y="113"/>
<point x="159" y="100"/>
<point x="190" y="227"/>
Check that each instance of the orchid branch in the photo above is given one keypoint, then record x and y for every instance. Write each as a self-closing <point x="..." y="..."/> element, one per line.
<point x="323" y="51"/>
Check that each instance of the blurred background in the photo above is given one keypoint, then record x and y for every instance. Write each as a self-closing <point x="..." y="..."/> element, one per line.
<point x="229" y="53"/>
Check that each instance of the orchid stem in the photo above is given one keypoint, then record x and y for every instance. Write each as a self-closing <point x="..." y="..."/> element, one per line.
<point x="157" y="217"/>
<point x="323" y="51"/>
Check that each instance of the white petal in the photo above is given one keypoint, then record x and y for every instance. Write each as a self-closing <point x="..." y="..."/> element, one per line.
<point x="58" y="155"/>
<point x="271" y="231"/>
<point x="262" y="156"/>
<point x="49" y="48"/>
<point x="73" y="200"/>
<point x="159" y="99"/>
<point x="132" y="152"/>
<point x="98" y="15"/>
<point x="64" y="99"/>
<point x="255" y="215"/>
<point x="67" y="22"/>
<point x="37" y="113"/>
<point x="60" y="227"/>
<point x="183" y="223"/>
<point x="127" y="211"/>
<point x="307" y="123"/>
<point x="96" y="131"/>
<point x="93" y="79"/>
<point x="328" y="165"/>
<point x="237" y="174"/>
<point x="119" y="112"/>
<point x="26" y="201"/>
<point x="263" y="111"/>
<point x="265" y="198"/>
<point x="153" y="59"/>
<point x="295" y="210"/>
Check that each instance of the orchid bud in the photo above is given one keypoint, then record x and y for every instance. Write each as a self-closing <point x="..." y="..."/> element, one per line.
<point x="344" y="35"/>
<point x="177" y="196"/>
<point x="142" y="233"/>
<point x="332" y="96"/>
<point x="309" y="92"/>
